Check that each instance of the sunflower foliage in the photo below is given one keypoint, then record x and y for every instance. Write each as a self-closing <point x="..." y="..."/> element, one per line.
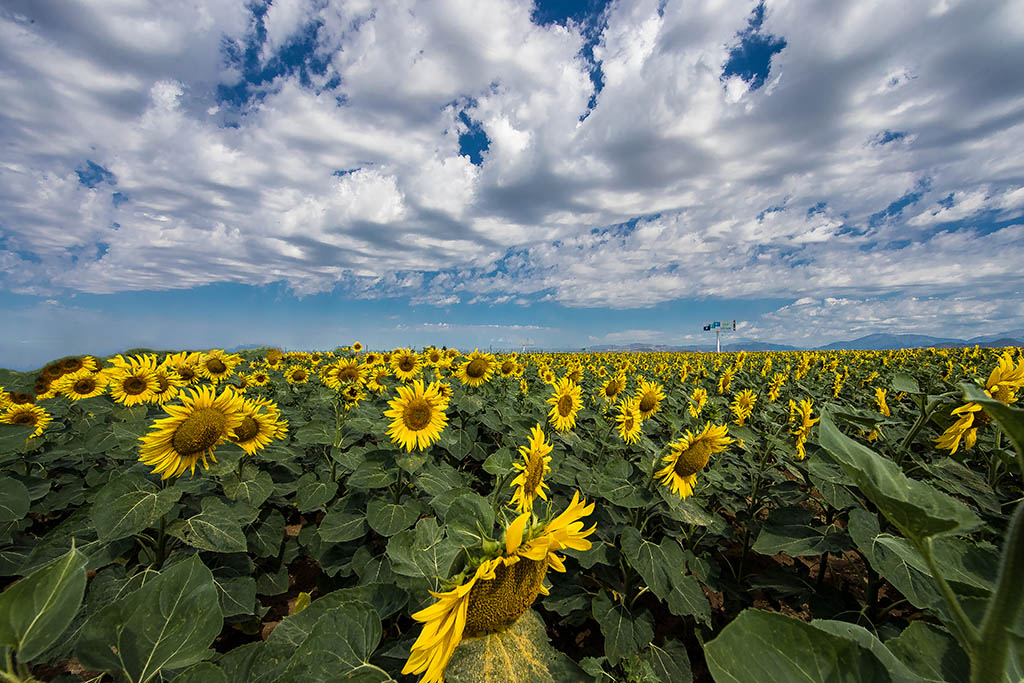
<point x="436" y="514"/>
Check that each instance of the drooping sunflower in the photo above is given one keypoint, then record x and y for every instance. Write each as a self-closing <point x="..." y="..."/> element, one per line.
<point x="801" y="421"/>
<point x="742" y="405"/>
<point x="529" y="483"/>
<point x="82" y="384"/>
<point x="405" y="364"/>
<point x="296" y="374"/>
<point x="417" y="415"/>
<point x="689" y="455"/>
<point x="259" y="426"/>
<point x="697" y="401"/>
<point x="566" y="402"/>
<point x="649" y="397"/>
<point x="630" y="421"/>
<point x="883" y="407"/>
<point x="134" y="382"/>
<point x="1003" y="383"/>
<point x="498" y="591"/>
<point x="217" y="365"/>
<point x="476" y="369"/>
<point x="26" y="414"/>
<point x="193" y="430"/>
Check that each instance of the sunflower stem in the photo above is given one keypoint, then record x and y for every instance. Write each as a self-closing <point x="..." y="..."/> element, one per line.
<point x="496" y="497"/>
<point x="963" y="629"/>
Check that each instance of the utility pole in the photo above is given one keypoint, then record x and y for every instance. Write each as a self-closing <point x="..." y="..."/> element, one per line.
<point x="718" y="327"/>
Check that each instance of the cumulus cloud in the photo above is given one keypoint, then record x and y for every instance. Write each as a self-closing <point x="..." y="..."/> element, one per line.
<point x="320" y="144"/>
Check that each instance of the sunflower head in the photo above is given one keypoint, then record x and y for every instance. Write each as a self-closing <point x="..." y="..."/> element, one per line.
<point x="405" y="363"/>
<point x="296" y="374"/>
<point x="476" y="369"/>
<point x="565" y="403"/>
<point x="530" y="482"/>
<point x="134" y="382"/>
<point x="691" y="454"/>
<point x="649" y="397"/>
<point x="26" y="414"/>
<point x="629" y="421"/>
<point x="417" y="415"/>
<point x="82" y="384"/>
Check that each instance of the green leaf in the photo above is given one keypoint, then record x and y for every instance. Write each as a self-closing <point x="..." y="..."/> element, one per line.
<point x="340" y="524"/>
<point x="314" y="432"/>
<point x="624" y="633"/>
<point x="203" y="672"/>
<point x="670" y="663"/>
<point x="339" y="646"/>
<point x="252" y="490"/>
<point x="237" y="595"/>
<point x="662" y="567"/>
<point x="886" y="559"/>
<point x="904" y="382"/>
<point x="35" y="611"/>
<point x="467" y="514"/>
<point x="789" y="530"/>
<point x="265" y="537"/>
<point x="314" y="493"/>
<point x="130" y="504"/>
<point x="931" y="653"/>
<point x="916" y="508"/>
<point x="215" y="528"/>
<point x="423" y="552"/>
<point x="387" y="519"/>
<point x="14" y="500"/>
<point x="760" y="646"/>
<point x="166" y="624"/>
<point x="898" y="671"/>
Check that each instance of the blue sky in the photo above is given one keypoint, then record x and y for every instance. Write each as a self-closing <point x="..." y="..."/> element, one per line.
<point x="491" y="173"/>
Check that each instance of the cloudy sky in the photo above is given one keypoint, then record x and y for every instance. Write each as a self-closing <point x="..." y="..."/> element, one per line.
<point x="306" y="173"/>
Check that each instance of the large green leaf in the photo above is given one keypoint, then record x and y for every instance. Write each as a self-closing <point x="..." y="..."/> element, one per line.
<point x="129" y="504"/>
<point x="35" y="611"/>
<point x="166" y="624"/>
<point x="931" y="653"/>
<point x="341" y="524"/>
<point x="338" y="647"/>
<point x="760" y="646"/>
<point x="663" y="567"/>
<point x="918" y="509"/>
<point x="314" y="493"/>
<point x="423" y="552"/>
<point x="216" y="528"/>
<point x="791" y="530"/>
<point x="253" y="488"/>
<point x="625" y="633"/>
<point x="14" y="500"/>
<point x="387" y="519"/>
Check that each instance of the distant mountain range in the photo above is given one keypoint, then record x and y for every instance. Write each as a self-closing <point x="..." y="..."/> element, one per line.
<point x="871" y="342"/>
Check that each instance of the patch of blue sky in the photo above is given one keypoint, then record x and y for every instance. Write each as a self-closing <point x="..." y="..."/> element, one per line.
<point x="817" y="208"/>
<point x="92" y="174"/>
<point x="751" y="59"/>
<point x="887" y="136"/>
<point x="297" y="56"/>
<point x="473" y="142"/>
<point x="896" y="207"/>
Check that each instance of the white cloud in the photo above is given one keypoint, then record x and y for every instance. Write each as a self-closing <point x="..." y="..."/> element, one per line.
<point x="722" y="178"/>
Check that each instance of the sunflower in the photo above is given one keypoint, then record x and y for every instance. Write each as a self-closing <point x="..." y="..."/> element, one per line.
<point x="476" y="369"/>
<point x="697" y="401"/>
<point x="259" y="378"/>
<point x="260" y="425"/>
<point x="689" y="455"/>
<point x="1002" y="385"/>
<point x="743" y="405"/>
<point x="649" y="397"/>
<point x="169" y="382"/>
<point x="800" y="419"/>
<point x="351" y="395"/>
<point x="217" y="365"/>
<point x="498" y="591"/>
<point x="370" y="359"/>
<point x="82" y="384"/>
<point x="523" y="386"/>
<point x="883" y="407"/>
<point x="296" y="375"/>
<point x="274" y="358"/>
<point x="565" y="404"/>
<point x="629" y="420"/>
<point x="778" y="379"/>
<point x="375" y="382"/>
<point x="5" y="402"/>
<point x="341" y="373"/>
<point x="185" y="365"/>
<point x="433" y="357"/>
<point x="26" y="414"/>
<point x="508" y="367"/>
<point x="78" y="363"/>
<point x="405" y="364"/>
<point x="193" y="430"/>
<point x="725" y="380"/>
<point x="417" y="415"/>
<point x="613" y="387"/>
<point x="356" y="346"/>
<point x="530" y="482"/>
<point x="134" y="382"/>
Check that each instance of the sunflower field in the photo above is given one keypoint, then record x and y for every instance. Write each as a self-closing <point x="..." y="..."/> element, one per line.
<point x="429" y="515"/>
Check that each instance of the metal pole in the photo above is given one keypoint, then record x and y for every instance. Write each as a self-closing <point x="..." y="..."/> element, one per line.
<point x="718" y="340"/>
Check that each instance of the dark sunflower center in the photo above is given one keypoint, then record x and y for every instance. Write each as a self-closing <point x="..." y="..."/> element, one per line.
<point x="477" y="368"/>
<point x="417" y="414"/>
<point x="495" y="604"/>
<point x="575" y="376"/>
<point x="507" y="367"/>
<point x="72" y="365"/>
<point x="25" y="419"/>
<point x="299" y="375"/>
<point x="611" y="389"/>
<point x="85" y="385"/>
<point x="133" y="386"/>
<point x="247" y="430"/>
<point x="163" y="382"/>
<point x="53" y="371"/>
<point x="199" y="432"/>
<point x="648" y="402"/>
<point x="693" y="459"/>
<point x="348" y="374"/>
<point x="434" y="356"/>
<point x="216" y="366"/>
<point x="260" y="377"/>
<point x="534" y="473"/>
<point x="19" y="398"/>
<point x="565" y="405"/>
<point x="628" y="423"/>
<point x="406" y="364"/>
<point x="187" y="372"/>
